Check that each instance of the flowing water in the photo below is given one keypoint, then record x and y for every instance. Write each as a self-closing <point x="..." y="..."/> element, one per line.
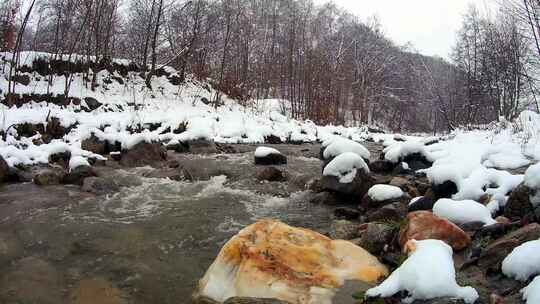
<point x="151" y="242"/>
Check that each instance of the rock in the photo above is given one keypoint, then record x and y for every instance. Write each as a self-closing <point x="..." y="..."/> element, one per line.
<point x="202" y="146"/>
<point x="96" y="290"/>
<point x="344" y="230"/>
<point x="244" y="300"/>
<point x="271" y="174"/>
<point x="492" y="256"/>
<point x="444" y="190"/>
<point x="402" y="168"/>
<point x="10" y="247"/>
<point x="394" y="212"/>
<point x="272" y="140"/>
<point x="422" y="225"/>
<point x="406" y="185"/>
<point x="271" y="159"/>
<point x="143" y="154"/>
<point x="376" y="236"/>
<point x="354" y="190"/>
<point x="416" y="161"/>
<point x="31" y="280"/>
<point x="375" y="202"/>
<point x="304" y="264"/>
<point x="92" y="103"/>
<point x="400" y="182"/>
<point x="94" y="145"/>
<point x="179" y="147"/>
<point x="54" y="129"/>
<point x="519" y="203"/>
<point x="76" y="176"/>
<point x="381" y="166"/>
<point x="4" y="170"/>
<point x="526" y="233"/>
<point x="16" y="175"/>
<point x="228" y="149"/>
<point x="21" y="78"/>
<point x="324" y="198"/>
<point x="48" y="177"/>
<point x="61" y="158"/>
<point x="346" y="213"/>
<point x="423" y="203"/>
<point x="99" y="186"/>
<point x="495" y="252"/>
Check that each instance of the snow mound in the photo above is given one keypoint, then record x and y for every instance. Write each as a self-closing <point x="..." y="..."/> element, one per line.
<point x="523" y="261"/>
<point x="427" y="273"/>
<point x="531" y="293"/>
<point x="345" y="166"/>
<point x="461" y="212"/>
<point x="399" y="150"/>
<point x="341" y="145"/>
<point x="381" y="192"/>
<point x="265" y="151"/>
<point x="532" y="176"/>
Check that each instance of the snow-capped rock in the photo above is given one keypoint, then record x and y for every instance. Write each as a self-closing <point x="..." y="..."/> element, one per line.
<point x="269" y="156"/>
<point x="427" y="273"/>
<point x="523" y="261"/>
<point x="461" y="212"/>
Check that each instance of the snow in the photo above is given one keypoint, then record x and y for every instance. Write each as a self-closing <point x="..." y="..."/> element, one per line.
<point x="265" y="151"/>
<point x="426" y="274"/>
<point x="383" y="192"/>
<point x="461" y="212"/>
<point x="523" y="261"/>
<point x="532" y="176"/>
<point x="531" y="293"/>
<point x="77" y="161"/>
<point x="338" y="146"/>
<point x="414" y="200"/>
<point x="345" y="166"/>
<point x="399" y="150"/>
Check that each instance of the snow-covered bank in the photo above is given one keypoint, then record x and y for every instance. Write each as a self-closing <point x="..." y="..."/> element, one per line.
<point x="124" y="110"/>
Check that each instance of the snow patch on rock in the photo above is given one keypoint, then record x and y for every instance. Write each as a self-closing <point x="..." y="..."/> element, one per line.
<point x="461" y="212"/>
<point x="381" y="192"/>
<point x="427" y="273"/>
<point x="345" y="166"/>
<point x="523" y="261"/>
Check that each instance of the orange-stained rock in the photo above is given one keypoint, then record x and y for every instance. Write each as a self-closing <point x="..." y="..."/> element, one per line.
<point x="270" y="259"/>
<point x="422" y="225"/>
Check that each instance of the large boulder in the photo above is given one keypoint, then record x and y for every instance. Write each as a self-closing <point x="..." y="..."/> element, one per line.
<point x="143" y="154"/>
<point x="269" y="156"/>
<point x="272" y="260"/>
<point x="422" y="225"/>
<point x="4" y="170"/>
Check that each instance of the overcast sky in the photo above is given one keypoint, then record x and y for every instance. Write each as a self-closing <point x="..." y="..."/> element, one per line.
<point x="430" y="25"/>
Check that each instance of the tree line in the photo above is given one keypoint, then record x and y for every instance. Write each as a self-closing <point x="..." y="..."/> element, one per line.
<point x="330" y="65"/>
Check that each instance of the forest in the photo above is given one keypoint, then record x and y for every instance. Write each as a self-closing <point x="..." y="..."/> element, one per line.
<point x="331" y="66"/>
